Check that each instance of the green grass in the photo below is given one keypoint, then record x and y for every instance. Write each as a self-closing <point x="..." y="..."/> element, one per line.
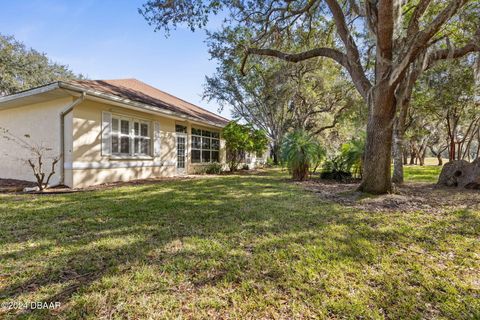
<point x="427" y="173"/>
<point x="253" y="246"/>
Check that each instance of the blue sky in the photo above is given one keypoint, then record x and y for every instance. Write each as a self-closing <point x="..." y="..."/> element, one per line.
<point x="109" y="39"/>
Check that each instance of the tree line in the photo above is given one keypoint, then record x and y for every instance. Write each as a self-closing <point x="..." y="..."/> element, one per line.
<point x="382" y="47"/>
<point x="22" y="68"/>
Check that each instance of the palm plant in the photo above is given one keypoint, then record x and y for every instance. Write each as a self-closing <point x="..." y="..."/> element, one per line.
<point x="352" y="154"/>
<point x="348" y="163"/>
<point x="300" y="152"/>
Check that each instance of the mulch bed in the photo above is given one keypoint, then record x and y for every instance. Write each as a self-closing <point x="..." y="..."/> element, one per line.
<point x="12" y="185"/>
<point x="17" y="186"/>
<point x="406" y="198"/>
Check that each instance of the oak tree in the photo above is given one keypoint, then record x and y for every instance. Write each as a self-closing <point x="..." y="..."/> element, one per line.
<point x="395" y="33"/>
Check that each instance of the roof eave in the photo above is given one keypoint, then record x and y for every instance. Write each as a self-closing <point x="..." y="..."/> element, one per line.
<point x="135" y="104"/>
<point x="31" y="92"/>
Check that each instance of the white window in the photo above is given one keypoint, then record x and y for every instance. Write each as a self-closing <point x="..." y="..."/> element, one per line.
<point x="130" y="137"/>
<point x="205" y="146"/>
<point x="141" y="136"/>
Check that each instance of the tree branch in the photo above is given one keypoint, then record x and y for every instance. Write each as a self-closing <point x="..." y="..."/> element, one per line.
<point x="354" y="64"/>
<point x="52" y="172"/>
<point x="361" y="82"/>
<point x="443" y="54"/>
<point x="297" y="57"/>
<point x="420" y="40"/>
<point x="417" y="14"/>
<point x="336" y="117"/>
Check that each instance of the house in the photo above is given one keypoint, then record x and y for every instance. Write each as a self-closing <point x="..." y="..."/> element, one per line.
<point x="254" y="160"/>
<point x="108" y="130"/>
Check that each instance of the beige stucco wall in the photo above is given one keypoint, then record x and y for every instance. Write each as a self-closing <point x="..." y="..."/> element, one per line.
<point x="89" y="167"/>
<point x="41" y="122"/>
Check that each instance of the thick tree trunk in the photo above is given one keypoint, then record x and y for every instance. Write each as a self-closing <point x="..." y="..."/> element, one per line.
<point x="405" y="157"/>
<point x="378" y="149"/>
<point x="398" y="147"/>
<point x="412" y="157"/>
<point x="398" y="154"/>
<point x="300" y="173"/>
<point x="451" y="154"/>
<point x="439" y="158"/>
<point x="381" y="102"/>
<point x="276" y="153"/>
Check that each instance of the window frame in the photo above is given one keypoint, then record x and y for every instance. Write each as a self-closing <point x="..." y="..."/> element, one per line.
<point x="131" y="137"/>
<point x="209" y="135"/>
<point x="148" y="137"/>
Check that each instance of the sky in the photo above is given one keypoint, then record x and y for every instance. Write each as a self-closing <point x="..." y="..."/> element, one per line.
<point x="109" y="39"/>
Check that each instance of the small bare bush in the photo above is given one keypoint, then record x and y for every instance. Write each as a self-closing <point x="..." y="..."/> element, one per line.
<point x="38" y="153"/>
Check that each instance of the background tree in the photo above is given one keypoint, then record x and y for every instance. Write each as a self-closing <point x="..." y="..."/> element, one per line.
<point x="320" y="95"/>
<point x="459" y="30"/>
<point x="437" y="143"/>
<point x="259" y="98"/>
<point x="22" y="68"/>
<point x="240" y="139"/>
<point x="446" y="96"/>
<point x="396" y="33"/>
<point x="277" y="96"/>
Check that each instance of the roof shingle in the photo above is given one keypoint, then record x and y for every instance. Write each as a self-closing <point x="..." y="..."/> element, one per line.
<point x="138" y="91"/>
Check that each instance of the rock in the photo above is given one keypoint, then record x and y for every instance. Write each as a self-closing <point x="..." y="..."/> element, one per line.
<point x="461" y="173"/>
<point x="32" y="189"/>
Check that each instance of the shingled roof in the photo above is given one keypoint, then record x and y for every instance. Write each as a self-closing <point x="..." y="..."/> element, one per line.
<point x="139" y="91"/>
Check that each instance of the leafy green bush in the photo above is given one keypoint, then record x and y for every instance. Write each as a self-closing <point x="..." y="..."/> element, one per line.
<point x="348" y="164"/>
<point x="240" y="139"/>
<point x="352" y="155"/>
<point x="214" y="168"/>
<point x="300" y="152"/>
<point x="336" y="169"/>
<point x="270" y="163"/>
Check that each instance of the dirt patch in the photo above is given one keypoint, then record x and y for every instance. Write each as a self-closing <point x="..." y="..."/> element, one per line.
<point x="12" y="185"/>
<point x="17" y="186"/>
<point x="134" y="183"/>
<point x="406" y="198"/>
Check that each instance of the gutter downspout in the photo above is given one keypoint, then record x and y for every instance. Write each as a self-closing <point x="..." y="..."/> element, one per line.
<point x="66" y="111"/>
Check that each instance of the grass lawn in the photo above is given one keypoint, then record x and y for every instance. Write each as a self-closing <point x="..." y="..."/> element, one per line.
<point x="427" y="173"/>
<point x="250" y="246"/>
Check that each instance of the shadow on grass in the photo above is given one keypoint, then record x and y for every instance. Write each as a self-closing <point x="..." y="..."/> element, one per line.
<point x="206" y="230"/>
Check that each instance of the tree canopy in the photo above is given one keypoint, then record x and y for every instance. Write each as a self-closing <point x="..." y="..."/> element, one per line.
<point x="378" y="43"/>
<point x="241" y="139"/>
<point x="22" y="68"/>
<point x="277" y="96"/>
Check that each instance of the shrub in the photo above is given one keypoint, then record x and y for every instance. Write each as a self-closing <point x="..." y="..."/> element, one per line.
<point x="342" y="176"/>
<point x="270" y="163"/>
<point x="336" y="169"/>
<point x="240" y="139"/>
<point x="352" y="154"/>
<point x="38" y="154"/>
<point x="300" y="152"/>
<point x="245" y="167"/>
<point x="214" y="168"/>
<point x="348" y="164"/>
